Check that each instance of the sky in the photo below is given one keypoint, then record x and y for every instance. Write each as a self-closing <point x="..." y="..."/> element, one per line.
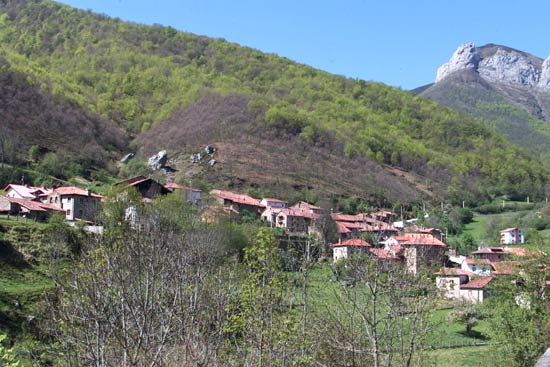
<point x="397" y="42"/>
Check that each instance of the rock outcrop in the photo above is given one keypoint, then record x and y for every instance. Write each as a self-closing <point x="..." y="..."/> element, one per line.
<point x="465" y="57"/>
<point x="544" y="81"/>
<point x="499" y="64"/>
<point x="158" y="161"/>
<point x="509" y="67"/>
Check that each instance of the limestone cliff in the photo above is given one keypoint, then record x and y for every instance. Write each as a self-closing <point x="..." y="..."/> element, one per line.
<point x="499" y="64"/>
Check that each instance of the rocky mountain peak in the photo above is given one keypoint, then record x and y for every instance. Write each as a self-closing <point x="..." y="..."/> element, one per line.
<point x="499" y="64"/>
<point x="544" y="81"/>
<point x="465" y="57"/>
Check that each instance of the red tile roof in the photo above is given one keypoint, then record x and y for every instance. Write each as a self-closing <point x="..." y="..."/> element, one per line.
<point x="307" y="205"/>
<point x="490" y="250"/>
<point x="26" y="203"/>
<point x="346" y="217"/>
<point x="237" y="198"/>
<point x="419" y="239"/>
<point x="342" y="229"/>
<point x="454" y="271"/>
<point x="478" y="283"/>
<point x="509" y="230"/>
<point x="352" y="225"/>
<point x="48" y="206"/>
<point x="295" y="212"/>
<point x="396" y="249"/>
<point x="73" y="190"/>
<point x="384" y="254"/>
<point x="354" y="242"/>
<point x="26" y="191"/>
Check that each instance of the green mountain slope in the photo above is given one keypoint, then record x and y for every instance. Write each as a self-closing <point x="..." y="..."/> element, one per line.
<point x="140" y="76"/>
<point x="467" y="92"/>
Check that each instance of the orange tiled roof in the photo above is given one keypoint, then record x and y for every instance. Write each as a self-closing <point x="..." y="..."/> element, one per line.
<point x="384" y="254"/>
<point x="28" y="192"/>
<point x="29" y="204"/>
<point x="354" y="242"/>
<point x="346" y="217"/>
<point x="73" y="190"/>
<point x="307" y="205"/>
<point x="478" y="283"/>
<point x="352" y="225"/>
<point x="237" y="198"/>
<point x="509" y="229"/>
<point x="453" y="271"/>
<point x="419" y="239"/>
<point x="296" y="212"/>
<point x="342" y="229"/>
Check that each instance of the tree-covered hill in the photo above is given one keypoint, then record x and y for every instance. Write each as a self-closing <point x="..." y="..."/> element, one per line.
<point x="149" y="79"/>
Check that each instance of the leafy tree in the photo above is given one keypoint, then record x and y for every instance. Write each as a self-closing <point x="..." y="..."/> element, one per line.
<point x="468" y="314"/>
<point x="519" y="315"/>
<point x="7" y="355"/>
<point x="262" y="331"/>
<point x="34" y="153"/>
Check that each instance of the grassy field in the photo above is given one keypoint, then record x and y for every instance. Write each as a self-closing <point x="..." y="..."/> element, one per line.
<point x="460" y="357"/>
<point x="449" y="341"/>
<point x="485" y="228"/>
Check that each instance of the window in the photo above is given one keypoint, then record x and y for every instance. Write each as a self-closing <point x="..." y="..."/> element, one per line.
<point x="68" y="212"/>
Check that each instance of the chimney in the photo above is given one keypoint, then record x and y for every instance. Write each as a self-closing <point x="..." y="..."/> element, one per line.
<point x="88" y="192"/>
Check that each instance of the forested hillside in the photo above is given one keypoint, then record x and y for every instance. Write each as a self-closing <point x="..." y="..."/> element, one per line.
<point x="144" y="76"/>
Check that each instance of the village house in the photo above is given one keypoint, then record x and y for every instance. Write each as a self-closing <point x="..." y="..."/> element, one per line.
<point x="419" y="249"/>
<point x="192" y="195"/>
<point x="238" y="202"/>
<point x="273" y="203"/>
<point x="457" y="283"/>
<point x="482" y="267"/>
<point x="78" y="204"/>
<point x="26" y="208"/>
<point x="211" y="213"/>
<point x="145" y="186"/>
<point x="295" y="220"/>
<point x="350" y="226"/>
<point x="388" y="257"/>
<point x="383" y="216"/>
<point x="345" y="249"/>
<point x="308" y="207"/>
<point x="436" y="232"/>
<point x="449" y="280"/>
<point x="474" y="290"/>
<point x="493" y="254"/>
<point x="511" y="236"/>
<point x="25" y="191"/>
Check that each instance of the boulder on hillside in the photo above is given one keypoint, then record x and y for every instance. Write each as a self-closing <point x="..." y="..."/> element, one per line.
<point x="158" y="161"/>
<point x="127" y="158"/>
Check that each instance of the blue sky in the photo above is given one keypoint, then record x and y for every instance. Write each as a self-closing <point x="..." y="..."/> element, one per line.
<point x="400" y="43"/>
